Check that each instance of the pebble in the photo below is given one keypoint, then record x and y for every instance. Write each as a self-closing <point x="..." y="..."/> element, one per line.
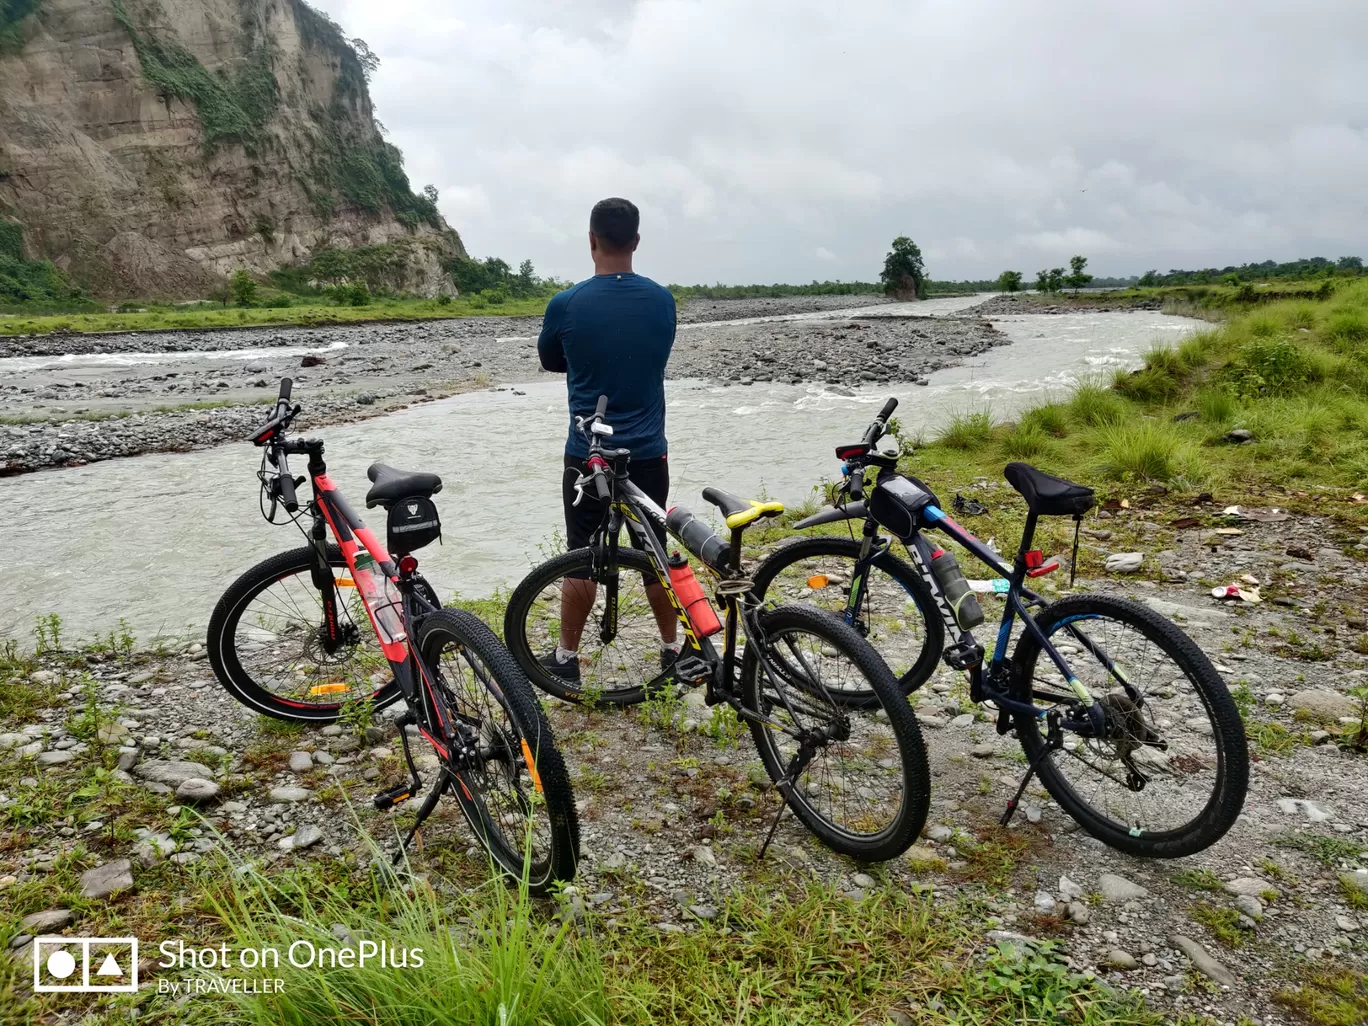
<point x="963" y="720"/>
<point x="103" y="881"/>
<point x="1204" y="961"/>
<point x="195" y="789"/>
<point x="1124" y="562"/>
<point x="47" y="922"/>
<point x="1117" y="888"/>
<point x="301" y="762"/>
<point x="307" y="836"/>
<point x="48" y="759"/>
<point x="1122" y="959"/>
<point x="290" y="794"/>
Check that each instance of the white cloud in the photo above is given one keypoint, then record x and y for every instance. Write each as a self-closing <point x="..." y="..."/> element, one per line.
<point x="789" y="139"/>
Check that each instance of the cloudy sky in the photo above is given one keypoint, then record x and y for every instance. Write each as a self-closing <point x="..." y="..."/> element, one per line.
<point x="787" y="140"/>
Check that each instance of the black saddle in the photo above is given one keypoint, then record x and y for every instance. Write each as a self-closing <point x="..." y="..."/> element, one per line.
<point x="392" y="485"/>
<point x="1047" y="495"/>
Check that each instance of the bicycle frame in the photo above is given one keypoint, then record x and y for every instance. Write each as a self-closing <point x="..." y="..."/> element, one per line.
<point x="966" y="654"/>
<point x="332" y="512"/>
<point x="630" y="505"/>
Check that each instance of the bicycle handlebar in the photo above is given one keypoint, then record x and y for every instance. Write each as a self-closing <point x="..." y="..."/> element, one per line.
<point x="876" y="428"/>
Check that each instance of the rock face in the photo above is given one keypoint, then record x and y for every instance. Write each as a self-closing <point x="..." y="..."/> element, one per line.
<point x="151" y="148"/>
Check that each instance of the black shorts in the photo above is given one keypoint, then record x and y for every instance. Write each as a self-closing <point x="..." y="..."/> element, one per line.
<point x="651" y="476"/>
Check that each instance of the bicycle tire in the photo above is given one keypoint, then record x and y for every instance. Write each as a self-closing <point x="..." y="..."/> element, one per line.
<point x="510" y="688"/>
<point x="906" y="825"/>
<point x="227" y="662"/>
<point x="1232" y="753"/>
<point x="516" y="635"/>
<point x="795" y="549"/>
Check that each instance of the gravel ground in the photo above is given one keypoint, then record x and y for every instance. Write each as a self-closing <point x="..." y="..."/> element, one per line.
<point x="1288" y="881"/>
<point x="68" y="412"/>
<point x="997" y="306"/>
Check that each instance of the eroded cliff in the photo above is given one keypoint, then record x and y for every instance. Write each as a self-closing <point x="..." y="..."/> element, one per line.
<point x="150" y="148"/>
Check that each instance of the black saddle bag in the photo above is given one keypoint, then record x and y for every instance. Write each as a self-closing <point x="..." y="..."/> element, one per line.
<point x="412" y="523"/>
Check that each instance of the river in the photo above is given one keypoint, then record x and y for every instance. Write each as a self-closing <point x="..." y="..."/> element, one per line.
<point x="156" y="539"/>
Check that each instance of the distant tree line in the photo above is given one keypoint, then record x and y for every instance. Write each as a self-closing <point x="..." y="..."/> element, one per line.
<point x="1293" y="270"/>
<point x="495" y="280"/>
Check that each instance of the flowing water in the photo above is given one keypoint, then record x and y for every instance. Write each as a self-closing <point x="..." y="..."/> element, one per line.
<point x="156" y="539"/>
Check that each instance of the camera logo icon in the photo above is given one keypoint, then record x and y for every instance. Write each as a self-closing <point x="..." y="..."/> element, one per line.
<point x="85" y="965"/>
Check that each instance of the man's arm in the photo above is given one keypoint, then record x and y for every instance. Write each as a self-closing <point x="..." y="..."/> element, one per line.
<point x="550" y="346"/>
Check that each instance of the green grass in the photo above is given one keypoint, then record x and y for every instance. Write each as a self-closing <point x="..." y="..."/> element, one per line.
<point x="1293" y="372"/>
<point x="1330" y="851"/>
<point x="967" y="431"/>
<point x="1223" y="922"/>
<point x="181" y="318"/>
<point x="1198" y="879"/>
<point x="1329" y="997"/>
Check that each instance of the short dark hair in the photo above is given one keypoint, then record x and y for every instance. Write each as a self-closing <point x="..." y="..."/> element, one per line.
<point x="615" y="221"/>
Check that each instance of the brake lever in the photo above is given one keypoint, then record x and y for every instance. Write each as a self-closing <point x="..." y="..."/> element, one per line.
<point x="579" y="490"/>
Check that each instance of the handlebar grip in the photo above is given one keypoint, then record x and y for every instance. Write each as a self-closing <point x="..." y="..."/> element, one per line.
<point x="285" y="483"/>
<point x="285" y="387"/>
<point x="888" y="409"/>
<point x="602" y="406"/>
<point x="601" y="486"/>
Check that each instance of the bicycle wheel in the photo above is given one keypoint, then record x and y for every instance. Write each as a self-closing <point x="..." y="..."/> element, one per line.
<point x="899" y="614"/>
<point x="866" y="789"/>
<point x="518" y="801"/>
<point x="1126" y="790"/>
<point x="266" y="642"/>
<point x="622" y="671"/>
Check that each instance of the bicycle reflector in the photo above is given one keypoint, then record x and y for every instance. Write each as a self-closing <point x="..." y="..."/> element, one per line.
<point x="1036" y="565"/>
<point x="336" y="688"/>
<point x="407" y="564"/>
<point x="818" y="581"/>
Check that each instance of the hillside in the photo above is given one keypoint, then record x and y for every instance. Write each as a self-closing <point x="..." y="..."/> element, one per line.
<point x="151" y="148"/>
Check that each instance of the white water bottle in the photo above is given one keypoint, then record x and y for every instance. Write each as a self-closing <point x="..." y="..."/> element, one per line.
<point x="383" y="598"/>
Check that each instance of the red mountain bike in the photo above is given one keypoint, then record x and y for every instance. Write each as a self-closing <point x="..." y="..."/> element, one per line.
<point x="287" y="639"/>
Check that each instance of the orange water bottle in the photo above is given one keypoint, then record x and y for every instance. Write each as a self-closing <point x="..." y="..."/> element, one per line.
<point x="692" y="598"/>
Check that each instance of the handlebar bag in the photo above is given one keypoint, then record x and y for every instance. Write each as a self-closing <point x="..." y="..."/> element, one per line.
<point x="897" y="502"/>
<point x="412" y="523"/>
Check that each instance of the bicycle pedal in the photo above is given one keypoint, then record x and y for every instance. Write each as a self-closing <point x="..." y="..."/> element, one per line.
<point x="389" y="799"/>
<point x="690" y="670"/>
<point x="964" y="656"/>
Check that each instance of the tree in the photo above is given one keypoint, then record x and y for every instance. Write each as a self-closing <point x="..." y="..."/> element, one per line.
<point x="330" y="264"/>
<point x="1042" y="282"/>
<point x="525" y="284"/>
<point x="1077" y="277"/>
<point x="1350" y="263"/>
<point x="1050" y="281"/>
<point x="1009" y="281"/>
<point x="430" y="192"/>
<point x="903" y="275"/>
<point x="1149" y="279"/>
<point x="366" y="57"/>
<point x="242" y="287"/>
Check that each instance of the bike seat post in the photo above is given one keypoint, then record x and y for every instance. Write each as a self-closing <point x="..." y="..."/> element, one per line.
<point x="1027" y="536"/>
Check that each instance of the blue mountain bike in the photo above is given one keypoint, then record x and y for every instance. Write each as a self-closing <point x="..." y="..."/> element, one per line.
<point x="1125" y="720"/>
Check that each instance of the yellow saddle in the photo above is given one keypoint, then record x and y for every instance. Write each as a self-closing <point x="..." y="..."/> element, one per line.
<point x="738" y="511"/>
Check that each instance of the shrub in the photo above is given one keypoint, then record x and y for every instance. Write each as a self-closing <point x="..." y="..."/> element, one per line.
<point x="1095" y="405"/>
<point x="1025" y="442"/>
<point x="242" y="287"/>
<point x="1216" y="406"/>
<point x="1146" y="451"/>
<point x="967" y="430"/>
<point x="1052" y="419"/>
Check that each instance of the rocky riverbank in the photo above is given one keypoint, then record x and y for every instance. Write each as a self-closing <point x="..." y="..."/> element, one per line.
<point x="674" y="803"/>
<point x="1005" y="304"/>
<point x="75" y="400"/>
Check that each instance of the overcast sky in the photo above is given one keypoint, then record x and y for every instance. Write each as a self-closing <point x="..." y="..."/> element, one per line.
<point x="787" y="140"/>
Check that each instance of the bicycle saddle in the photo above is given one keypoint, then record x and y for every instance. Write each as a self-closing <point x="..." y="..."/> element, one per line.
<point x="1047" y="495"/>
<point x="392" y="485"/>
<point x="738" y="511"/>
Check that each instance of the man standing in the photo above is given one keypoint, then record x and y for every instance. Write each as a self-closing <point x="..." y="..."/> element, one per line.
<point x="611" y="335"/>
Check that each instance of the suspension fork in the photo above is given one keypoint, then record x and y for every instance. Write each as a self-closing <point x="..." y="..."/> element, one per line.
<point x="859" y="583"/>
<point x="326" y="583"/>
<point x="609" y="624"/>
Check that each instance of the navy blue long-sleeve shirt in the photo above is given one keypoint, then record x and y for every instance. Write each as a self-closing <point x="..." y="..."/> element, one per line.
<point x="612" y="335"/>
